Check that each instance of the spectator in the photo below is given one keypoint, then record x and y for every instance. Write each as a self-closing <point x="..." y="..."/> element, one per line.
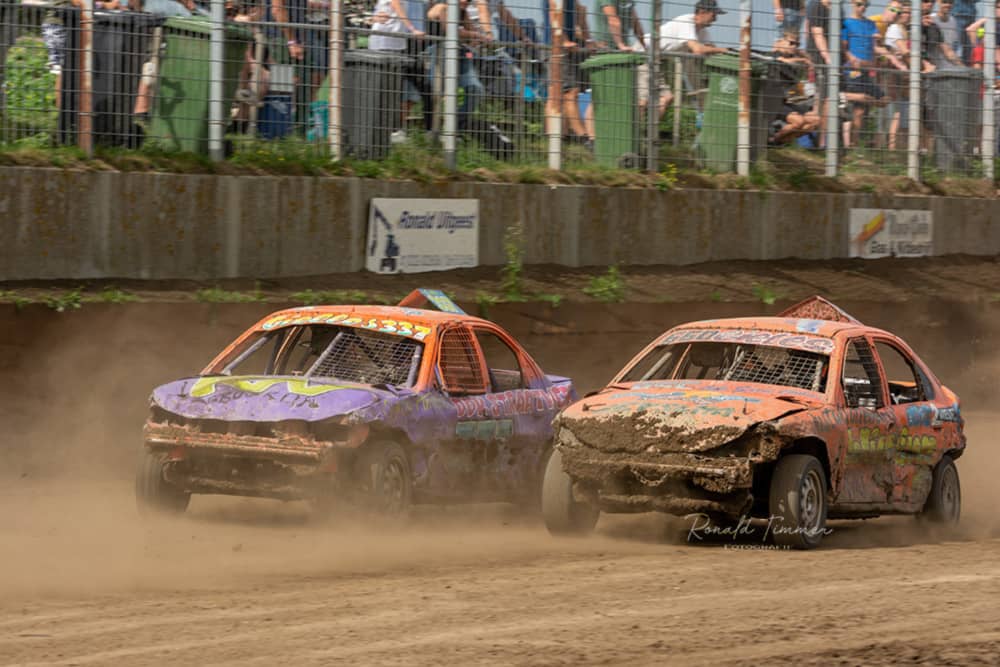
<point x="563" y="17"/>
<point x="976" y="31"/>
<point x="798" y="114"/>
<point x="615" y="19"/>
<point x="405" y="18"/>
<point x="470" y="36"/>
<point x="897" y="41"/>
<point x="860" y="46"/>
<point x="935" y="50"/>
<point x="818" y="49"/>
<point x="948" y="26"/>
<point x="789" y="14"/>
<point x="887" y="17"/>
<point x="687" y="33"/>
<point x="965" y="14"/>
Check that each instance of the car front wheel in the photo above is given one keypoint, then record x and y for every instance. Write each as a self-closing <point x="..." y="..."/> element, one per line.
<point x="384" y="479"/>
<point x="944" y="502"/>
<point x="563" y="514"/>
<point x="153" y="493"/>
<point x="798" y="502"/>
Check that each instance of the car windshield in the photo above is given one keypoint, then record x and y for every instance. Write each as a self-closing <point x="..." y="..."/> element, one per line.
<point x="323" y="351"/>
<point x="733" y="362"/>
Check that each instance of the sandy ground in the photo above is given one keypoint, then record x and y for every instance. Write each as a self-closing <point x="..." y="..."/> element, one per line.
<point x="84" y="581"/>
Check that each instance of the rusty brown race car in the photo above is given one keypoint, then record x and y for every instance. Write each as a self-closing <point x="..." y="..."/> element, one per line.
<point x="794" y="419"/>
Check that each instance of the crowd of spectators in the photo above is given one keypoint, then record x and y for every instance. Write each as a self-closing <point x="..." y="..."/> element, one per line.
<point x="503" y="55"/>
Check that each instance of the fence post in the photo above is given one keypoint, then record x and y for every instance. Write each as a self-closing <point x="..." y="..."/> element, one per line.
<point x="85" y="127"/>
<point x="988" y="148"/>
<point x="216" y="120"/>
<point x="553" y="106"/>
<point x="916" y="64"/>
<point x="833" y="92"/>
<point x="653" y="102"/>
<point x="743" y="116"/>
<point x="334" y="97"/>
<point x="448" y="138"/>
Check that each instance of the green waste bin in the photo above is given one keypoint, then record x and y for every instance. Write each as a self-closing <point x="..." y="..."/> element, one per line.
<point x="615" y="99"/>
<point x="717" y="140"/>
<point x="179" y="118"/>
<point x="952" y="105"/>
<point x="372" y="97"/>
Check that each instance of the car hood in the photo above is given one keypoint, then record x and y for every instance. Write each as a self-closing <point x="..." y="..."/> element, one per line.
<point x="676" y="416"/>
<point x="268" y="398"/>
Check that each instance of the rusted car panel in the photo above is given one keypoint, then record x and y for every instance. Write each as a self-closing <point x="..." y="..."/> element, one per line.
<point x="331" y="380"/>
<point x="697" y="420"/>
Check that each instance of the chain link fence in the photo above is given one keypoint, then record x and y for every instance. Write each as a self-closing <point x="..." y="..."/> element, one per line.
<point x="714" y="85"/>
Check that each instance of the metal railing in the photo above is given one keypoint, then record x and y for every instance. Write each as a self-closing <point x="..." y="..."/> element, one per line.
<point x="726" y="85"/>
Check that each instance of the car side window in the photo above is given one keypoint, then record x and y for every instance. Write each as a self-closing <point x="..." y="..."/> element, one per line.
<point x="905" y="384"/>
<point x="861" y="380"/>
<point x="501" y="362"/>
<point x="459" y="366"/>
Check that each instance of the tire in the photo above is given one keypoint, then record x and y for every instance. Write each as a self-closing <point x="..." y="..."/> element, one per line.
<point x="153" y="493"/>
<point x="798" y="502"/>
<point x="384" y="480"/>
<point x="562" y="514"/>
<point x="944" y="502"/>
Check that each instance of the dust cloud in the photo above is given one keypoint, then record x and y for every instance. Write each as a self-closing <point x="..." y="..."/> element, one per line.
<point x="75" y="401"/>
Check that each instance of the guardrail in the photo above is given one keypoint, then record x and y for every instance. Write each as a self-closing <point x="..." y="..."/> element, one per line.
<point x="550" y="82"/>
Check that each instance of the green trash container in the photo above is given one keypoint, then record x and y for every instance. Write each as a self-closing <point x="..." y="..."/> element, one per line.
<point x="717" y="140"/>
<point x="179" y="119"/>
<point x="615" y="98"/>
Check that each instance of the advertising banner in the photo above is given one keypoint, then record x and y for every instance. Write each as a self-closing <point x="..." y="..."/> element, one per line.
<point x="877" y="232"/>
<point x="416" y="235"/>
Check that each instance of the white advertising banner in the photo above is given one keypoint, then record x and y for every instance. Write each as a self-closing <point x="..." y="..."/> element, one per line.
<point x="878" y="232"/>
<point x="416" y="235"/>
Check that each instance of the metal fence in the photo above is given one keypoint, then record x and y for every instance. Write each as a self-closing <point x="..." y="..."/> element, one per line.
<point x="719" y="85"/>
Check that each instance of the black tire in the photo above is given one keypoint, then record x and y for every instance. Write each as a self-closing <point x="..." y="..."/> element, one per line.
<point x="564" y="515"/>
<point x="944" y="502"/>
<point x="798" y="502"/>
<point x="153" y="493"/>
<point x="384" y="479"/>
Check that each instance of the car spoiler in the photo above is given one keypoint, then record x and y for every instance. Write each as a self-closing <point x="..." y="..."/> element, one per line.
<point x="818" y="308"/>
<point x="424" y="298"/>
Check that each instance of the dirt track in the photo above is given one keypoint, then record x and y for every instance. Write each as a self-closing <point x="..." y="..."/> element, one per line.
<point x="84" y="581"/>
<point x="254" y="582"/>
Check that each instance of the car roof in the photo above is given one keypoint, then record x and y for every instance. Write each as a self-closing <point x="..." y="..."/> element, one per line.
<point x="794" y="325"/>
<point x="423" y="316"/>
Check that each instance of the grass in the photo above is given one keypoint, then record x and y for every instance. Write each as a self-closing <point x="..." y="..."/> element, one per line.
<point x="219" y="295"/>
<point x="608" y="288"/>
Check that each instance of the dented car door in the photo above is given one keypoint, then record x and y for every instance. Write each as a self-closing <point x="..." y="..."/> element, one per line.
<point x="867" y="469"/>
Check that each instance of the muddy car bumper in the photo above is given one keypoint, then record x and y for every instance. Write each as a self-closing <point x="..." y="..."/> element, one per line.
<point x="672" y="483"/>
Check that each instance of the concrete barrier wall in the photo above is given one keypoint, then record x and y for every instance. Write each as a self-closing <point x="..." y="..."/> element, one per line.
<point x="74" y="224"/>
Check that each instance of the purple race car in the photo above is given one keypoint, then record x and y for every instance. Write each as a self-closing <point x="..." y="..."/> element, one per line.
<point x="380" y="406"/>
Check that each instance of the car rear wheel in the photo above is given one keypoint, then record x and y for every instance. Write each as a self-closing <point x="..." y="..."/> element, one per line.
<point x="153" y="493"/>
<point x="563" y="514"/>
<point x="798" y="502"/>
<point x="944" y="502"/>
<point x="384" y="479"/>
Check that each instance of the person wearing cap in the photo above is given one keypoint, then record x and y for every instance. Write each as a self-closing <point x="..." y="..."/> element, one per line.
<point x="689" y="32"/>
<point x="684" y="33"/>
